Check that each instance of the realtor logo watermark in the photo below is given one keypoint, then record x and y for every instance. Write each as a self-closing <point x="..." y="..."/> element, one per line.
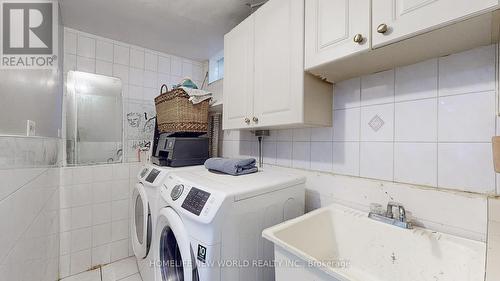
<point x="29" y="34"/>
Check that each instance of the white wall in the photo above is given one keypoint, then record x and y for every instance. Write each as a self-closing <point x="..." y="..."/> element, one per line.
<point x="436" y="119"/>
<point x="29" y="209"/>
<point x="141" y="70"/>
<point x="95" y="216"/>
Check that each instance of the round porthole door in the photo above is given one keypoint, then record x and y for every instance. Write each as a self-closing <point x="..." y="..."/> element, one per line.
<point x="176" y="259"/>
<point x="140" y="222"/>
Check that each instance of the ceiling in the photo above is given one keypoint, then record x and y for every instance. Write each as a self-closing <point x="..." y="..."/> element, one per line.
<point x="189" y="28"/>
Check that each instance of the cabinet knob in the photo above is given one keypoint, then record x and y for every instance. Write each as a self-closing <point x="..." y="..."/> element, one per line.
<point x="247" y="120"/>
<point x="255" y="119"/>
<point x="382" y="28"/>
<point x="358" y="38"/>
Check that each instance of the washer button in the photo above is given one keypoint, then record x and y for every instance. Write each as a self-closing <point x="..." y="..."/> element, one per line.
<point x="177" y="191"/>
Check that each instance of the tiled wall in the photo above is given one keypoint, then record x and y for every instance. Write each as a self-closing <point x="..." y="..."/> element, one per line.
<point x="142" y="72"/>
<point x="427" y="124"/>
<point x="29" y="209"/>
<point x="95" y="204"/>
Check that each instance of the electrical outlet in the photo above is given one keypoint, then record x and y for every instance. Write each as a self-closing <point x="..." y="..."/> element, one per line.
<point x="30" y="128"/>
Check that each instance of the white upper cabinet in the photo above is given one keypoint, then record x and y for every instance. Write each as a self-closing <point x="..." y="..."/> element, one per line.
<point x="335" y="29"/>
<point x="265" y="85"/>
<point x="239" y="75"/>
<point x="394" y="20"/>
<point x="279" y="63"/>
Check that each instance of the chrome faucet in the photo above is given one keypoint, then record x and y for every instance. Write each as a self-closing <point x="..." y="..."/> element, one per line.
<point x="389" y="218"/>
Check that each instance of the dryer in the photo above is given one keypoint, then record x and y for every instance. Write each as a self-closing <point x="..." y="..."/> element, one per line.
<point x="144" y="215"/>
<point x="209" y="227"/>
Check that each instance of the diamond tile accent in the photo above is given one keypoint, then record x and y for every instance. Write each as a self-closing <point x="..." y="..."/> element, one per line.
<point x="376" y="123"/>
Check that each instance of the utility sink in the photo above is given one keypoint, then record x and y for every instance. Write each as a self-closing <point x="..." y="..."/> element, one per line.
<point x="341" y="244"/>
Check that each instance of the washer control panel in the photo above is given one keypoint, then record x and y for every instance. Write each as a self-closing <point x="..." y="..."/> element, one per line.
<point x="177" y="191"/>
<point x="144" y="172"/>
<point x="152" y="175"/>
<point x="195" y="200"/>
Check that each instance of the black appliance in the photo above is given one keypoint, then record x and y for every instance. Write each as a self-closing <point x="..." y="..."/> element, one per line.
<point x="179" y="149"/>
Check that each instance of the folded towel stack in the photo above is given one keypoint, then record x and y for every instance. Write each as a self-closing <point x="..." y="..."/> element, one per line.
<point x="233" y="167"/>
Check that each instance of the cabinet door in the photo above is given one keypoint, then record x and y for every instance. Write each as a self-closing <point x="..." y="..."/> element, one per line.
<point x="335" y="29"/>
<point x="406" y="18"/>
<point x="238" y="75"/>
<point x="279" y="63"/>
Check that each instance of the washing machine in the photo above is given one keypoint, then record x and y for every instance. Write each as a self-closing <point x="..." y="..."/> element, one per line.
<point x="209" y="227"/>
<point x="144" y="215"/>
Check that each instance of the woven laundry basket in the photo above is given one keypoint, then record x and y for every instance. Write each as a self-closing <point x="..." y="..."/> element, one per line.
<point x="177" y="114"/>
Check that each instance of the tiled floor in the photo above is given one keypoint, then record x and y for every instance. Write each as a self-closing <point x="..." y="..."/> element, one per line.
<point x="123" y="270"/>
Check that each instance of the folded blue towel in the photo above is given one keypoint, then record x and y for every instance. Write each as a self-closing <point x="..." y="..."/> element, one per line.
<point x="233" y="167"/>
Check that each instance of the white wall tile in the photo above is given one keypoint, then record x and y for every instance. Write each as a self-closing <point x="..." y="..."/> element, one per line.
<point x="101" y="255"/>
<point x="101" y="192"/>
<point x="101" y="234"/>
<point x="81" y="239"/>
<point x="416" y="121"/>
<point x="466" y="166"/>
<point x="70" y="42"/>
<point x="121" y="54"/>
<point x="322" y="134"/>
<point x="135" y="92"/>
<point x="69" y="62"/>
<point x="346" y="124"/>
<point x="85" y="64"/>
<point x="84" y="175"/>
<point x="81" y="195"/>
<point x="377" y="88"/>
<point x="80" y="261"/>
<point x="416" y="163"/>
<point x="101" y="213"/>
<point x="119" y="230"/>
<point x="269" y="150"/>
<point x="102" y="173"/>
<point x="81" y="217"/>
<point x="164" y="64"/>
<point x="345" y="159"/>
<point x="119" y="250"/>
<point x="150" y="79"/>
<point x="467" y="118"/>
<point x="467" y="72"/>
<point x="301" y="155"/>
<point x="104" y="68"/>
<point x="136" y="76"/>
<point x="137" y="58"/>
<point x="187" y="69"/>
<point x="119" y="209"/>
<point x="284" y="153"/>
<point x="417" y="81"/>
<point x="381" y="118"/>
<point x="347" y="94"/>
<point x="176" y="66"/>
<point x="321" y="156"/>
<point x="303" y="134"/>
<point x="104" y="51"/>
<point x="121" y="71"/>
<point x="151" y="62"/>
<point x="376" y="160"/>
<point x="86" y="47"/>
<point x="284" y="135"/>
<point x="64" y="266"/>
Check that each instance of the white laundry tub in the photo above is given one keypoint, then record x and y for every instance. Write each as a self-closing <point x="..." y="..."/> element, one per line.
<point x="341" y="244"/>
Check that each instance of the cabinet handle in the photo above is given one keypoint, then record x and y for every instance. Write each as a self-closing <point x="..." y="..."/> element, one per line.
<point x="382" y="28"/>
<point x="358" y="38"/>
<point x="247" y="120"/>
<point x="255" y="119"/>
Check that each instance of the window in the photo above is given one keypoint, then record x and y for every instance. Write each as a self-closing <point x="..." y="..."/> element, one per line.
<point x="216" y="67"/>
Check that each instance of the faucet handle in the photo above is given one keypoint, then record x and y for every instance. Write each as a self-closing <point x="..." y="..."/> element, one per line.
<point x="401" y="210"/>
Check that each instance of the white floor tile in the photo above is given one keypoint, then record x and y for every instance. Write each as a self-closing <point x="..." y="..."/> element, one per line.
<point x="135" y="277"/>
<point x="120" y="269"/>
<point x="94" y="275"/>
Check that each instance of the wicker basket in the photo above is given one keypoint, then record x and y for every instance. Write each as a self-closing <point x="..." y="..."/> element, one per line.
<point x="176" y="114"/>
